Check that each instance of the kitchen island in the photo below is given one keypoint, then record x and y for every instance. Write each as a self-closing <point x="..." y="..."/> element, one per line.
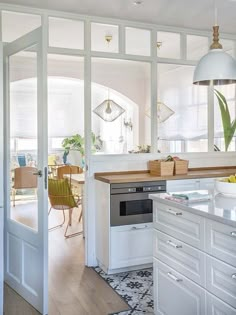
<point x="194" y="256"/>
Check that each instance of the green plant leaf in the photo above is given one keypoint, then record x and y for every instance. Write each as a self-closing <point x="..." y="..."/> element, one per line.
<point x="228" y="127"/>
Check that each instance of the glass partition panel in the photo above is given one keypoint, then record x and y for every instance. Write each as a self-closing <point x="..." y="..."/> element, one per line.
<point x="137" y="41"/>
<point x="222" y="142"/>
<point x="15" y="24"/>
<point x="168" y="45"/>
<point x="197" y="46"/>
<point x="104" y="37"/>
<point x="182" y="111"/>
<point x="23" y="131"/>
<point x="65" y="110"/>
<point x="120" y="98"/>
<point x="66" y="33"/>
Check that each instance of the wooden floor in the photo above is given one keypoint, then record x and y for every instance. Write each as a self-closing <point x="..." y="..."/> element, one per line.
<point x="73" y="288"/>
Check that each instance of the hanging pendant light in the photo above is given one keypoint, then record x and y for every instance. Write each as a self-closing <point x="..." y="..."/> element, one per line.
<point x="216" y="67"/>
<point x="109" y="110"/>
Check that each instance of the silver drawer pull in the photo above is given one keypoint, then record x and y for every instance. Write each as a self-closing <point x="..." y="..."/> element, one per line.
<point x="173" y="212"/>
<point x="233" y="276"/>
<point x="233" y="233"/>
<point x="139" y="228"/>
<point x="173" y="244"/>
<point x="169" y="274"/>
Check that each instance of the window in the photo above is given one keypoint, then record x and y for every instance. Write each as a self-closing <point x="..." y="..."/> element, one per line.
<point x="168" y="45"/>
<point x="104" y="37"/>
<point x="186" y="129"/>
<point x="137" y="41"/>
<point x="197" y="46"/>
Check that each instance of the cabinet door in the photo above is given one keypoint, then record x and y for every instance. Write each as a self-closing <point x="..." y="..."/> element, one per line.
<point x="180" y="224"/>
<point x="182" y="185"/>
<point x="175" y="294"/>
<point x="221" y="241"/>
<point x="221" y="280"/>
<point x="217" y="307"/>
<point x="131" y="245"/>
<point x="183" y="258"/>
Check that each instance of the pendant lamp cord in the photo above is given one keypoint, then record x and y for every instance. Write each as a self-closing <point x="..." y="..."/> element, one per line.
<point x="216" y="13"/>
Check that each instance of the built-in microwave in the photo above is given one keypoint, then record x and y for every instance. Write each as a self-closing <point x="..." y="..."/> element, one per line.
<point x="130" y="203"/>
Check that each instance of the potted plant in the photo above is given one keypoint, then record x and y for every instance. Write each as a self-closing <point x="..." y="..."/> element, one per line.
<point x="76" y="143"/>
<point x="229" y="126"/>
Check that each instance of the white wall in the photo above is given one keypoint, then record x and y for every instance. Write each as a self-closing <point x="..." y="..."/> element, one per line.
<point x="111" y="163"/>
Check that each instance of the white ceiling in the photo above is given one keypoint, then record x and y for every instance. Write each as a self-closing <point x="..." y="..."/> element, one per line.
<point x="196" y="14"/>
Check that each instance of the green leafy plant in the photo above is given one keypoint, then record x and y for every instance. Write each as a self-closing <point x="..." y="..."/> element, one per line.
<point x="229" y="126"/>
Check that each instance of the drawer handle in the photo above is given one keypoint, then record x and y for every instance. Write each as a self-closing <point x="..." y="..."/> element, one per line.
<point x="233" y="276"/>
<point x="174" y="277"/>
<point x="139" y="228"/>
<point x="173" y="244"/>
<point x="233" y="234"/>
<point x="173" y="212"/>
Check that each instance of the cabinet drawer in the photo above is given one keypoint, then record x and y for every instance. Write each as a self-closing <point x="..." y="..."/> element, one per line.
<point x="175" y="294"/>
<point x="182" y="225"/>
<point x="131" y="245"/>
<point x="217" y="307"/>
<point x="221" y="280"/>
<point x="221" y="241"/>
<point x="184" y="258"/>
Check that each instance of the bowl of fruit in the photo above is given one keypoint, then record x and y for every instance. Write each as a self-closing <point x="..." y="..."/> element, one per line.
<point x="226" y="185"/>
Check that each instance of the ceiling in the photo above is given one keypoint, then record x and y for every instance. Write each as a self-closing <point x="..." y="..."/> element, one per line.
<point x="181" y="13"/>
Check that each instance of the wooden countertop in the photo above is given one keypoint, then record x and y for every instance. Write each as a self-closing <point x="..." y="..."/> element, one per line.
<point x="144" y="176"/>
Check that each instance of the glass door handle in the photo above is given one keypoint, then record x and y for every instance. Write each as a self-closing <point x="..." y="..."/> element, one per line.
<point x="39" y="173"/>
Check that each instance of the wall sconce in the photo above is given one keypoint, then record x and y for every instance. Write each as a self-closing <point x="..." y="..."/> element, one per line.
<point x="128" y="124"/>
<point x="108" y="38"/>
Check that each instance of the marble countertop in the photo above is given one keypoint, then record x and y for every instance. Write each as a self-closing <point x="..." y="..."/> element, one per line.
<point x="220" y="208"/>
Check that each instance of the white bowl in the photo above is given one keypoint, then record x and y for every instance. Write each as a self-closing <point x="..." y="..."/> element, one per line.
<point x="225" y="188"/>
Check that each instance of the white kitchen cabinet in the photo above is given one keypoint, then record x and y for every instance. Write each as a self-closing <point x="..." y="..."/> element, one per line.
<point x="192" y="277"/>
<point x="217" y="307"/>
<point x="221" y="280"/>
<point x="190" y="184"/>
<point x="176" y="294"/>
<point x="221" y="241"/>
<point x="182" y="185"/>
<point x="180" y="256"/>
<point x="182" y="225"/>
<point x="131" y="245"/>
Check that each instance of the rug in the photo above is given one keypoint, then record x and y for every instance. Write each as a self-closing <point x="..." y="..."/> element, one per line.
<point x="135" y="287"/>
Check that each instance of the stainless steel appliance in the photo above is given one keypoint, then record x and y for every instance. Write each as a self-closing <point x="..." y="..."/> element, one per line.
<point x="130" y="203"/>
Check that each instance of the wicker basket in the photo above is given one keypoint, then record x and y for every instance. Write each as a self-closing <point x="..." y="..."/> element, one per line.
<point x="161" y="168"/>
<point x="181" y="167"/>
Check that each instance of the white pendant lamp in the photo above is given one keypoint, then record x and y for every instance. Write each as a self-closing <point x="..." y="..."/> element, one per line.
<point x="216" y="67"/>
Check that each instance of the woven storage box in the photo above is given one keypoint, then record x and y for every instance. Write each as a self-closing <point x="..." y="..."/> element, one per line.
<point x="181" y="167"/>
<point x="161" y="168"/>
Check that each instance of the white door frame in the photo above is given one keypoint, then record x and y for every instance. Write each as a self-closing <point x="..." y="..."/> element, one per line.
<point x="18" y="237"/>
<point x="1" y="180"/>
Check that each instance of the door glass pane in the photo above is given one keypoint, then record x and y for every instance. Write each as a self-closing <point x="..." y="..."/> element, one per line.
<point x="104" y="37"/>
<point x="23" y="133"/>
<point x="168" y="45"/>
<point x="228" y="46"/>
<point x="25" y="24"/>
<point x="137" y="41"/>
<point x="65" y="33"/>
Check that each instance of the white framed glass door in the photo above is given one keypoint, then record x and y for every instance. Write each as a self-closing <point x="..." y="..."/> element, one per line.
<point x="25" y="166"/>
<point x="1" y="180"/>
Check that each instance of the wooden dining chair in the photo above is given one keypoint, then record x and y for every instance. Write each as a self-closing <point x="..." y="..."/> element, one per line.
<point x="24" y="178"/>
<point x="61" y="198"/>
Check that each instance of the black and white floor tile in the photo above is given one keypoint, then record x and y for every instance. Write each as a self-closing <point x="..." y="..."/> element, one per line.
<point x="135" y="287"/>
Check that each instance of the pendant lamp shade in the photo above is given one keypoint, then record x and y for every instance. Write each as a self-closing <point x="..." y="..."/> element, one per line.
<point x="216" y="67"/>
<point x="109" y="110"/>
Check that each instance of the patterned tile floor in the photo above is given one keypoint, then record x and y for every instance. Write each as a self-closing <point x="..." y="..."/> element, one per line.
<point x="135" y="287"/>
